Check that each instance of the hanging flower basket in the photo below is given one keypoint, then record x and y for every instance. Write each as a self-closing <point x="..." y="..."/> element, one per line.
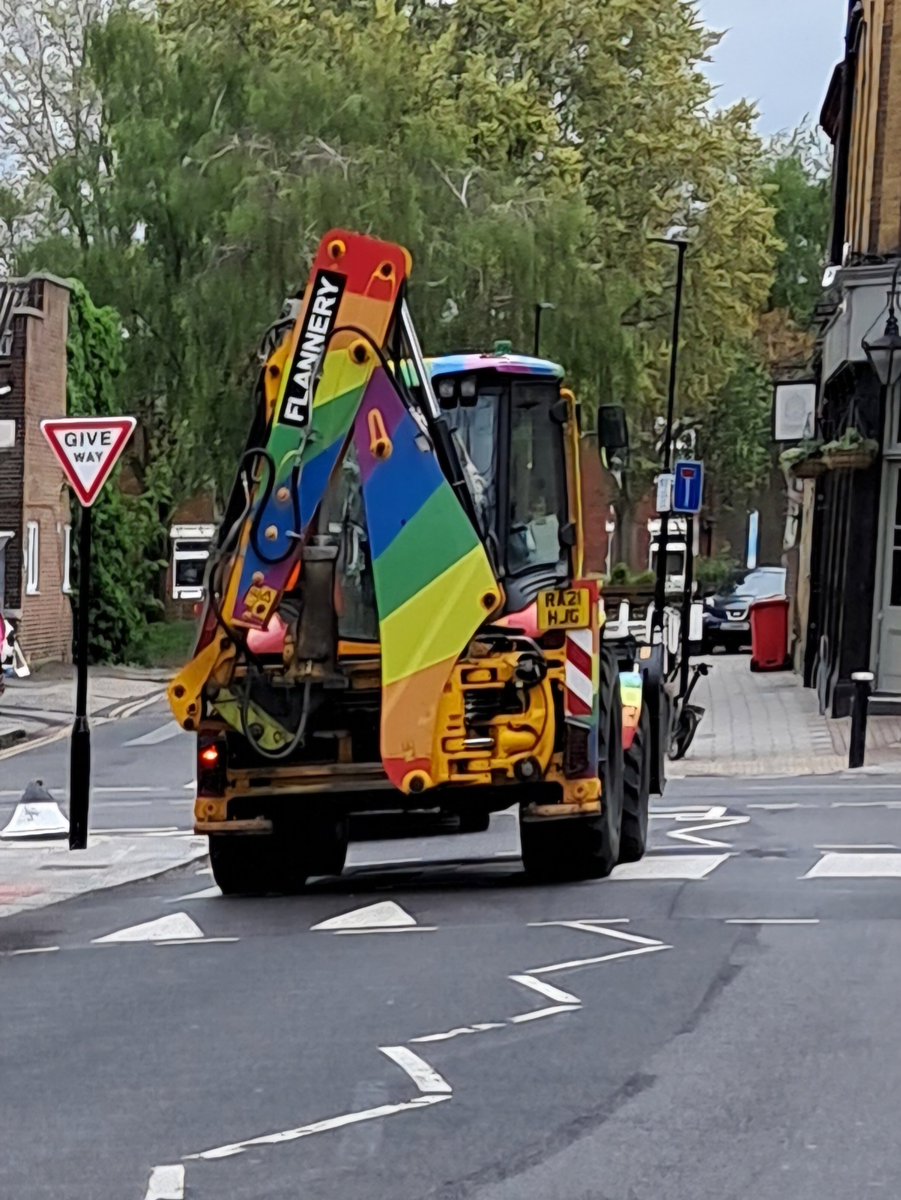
<point x="803" y="461"/>
<point x="848" y="460"/>
<point x="809" y="468"/>
<point x="850" y="452"/>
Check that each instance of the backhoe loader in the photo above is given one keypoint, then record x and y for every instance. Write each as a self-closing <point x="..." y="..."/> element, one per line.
<point x="397" y="612"/>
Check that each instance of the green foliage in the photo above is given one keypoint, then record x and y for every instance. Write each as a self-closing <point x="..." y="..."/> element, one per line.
<point x="798" y="178"/>
<point x="714" y="574"/>
<point x="522" y="151"/>
<point x="622" y="575"/>
<point x="810" y="448"/>
<point x="164" y="644"/>
<point x="124" y="528"/>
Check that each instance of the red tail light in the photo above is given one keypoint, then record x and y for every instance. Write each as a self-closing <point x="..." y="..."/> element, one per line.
<point x="211" y="768"/>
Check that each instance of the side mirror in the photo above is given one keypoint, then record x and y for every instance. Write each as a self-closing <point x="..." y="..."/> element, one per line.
<point x="613" y="430"/>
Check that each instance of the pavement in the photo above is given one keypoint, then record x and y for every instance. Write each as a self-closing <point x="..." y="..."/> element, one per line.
<point x="767" y="723"/>
<point x="717" y="1022"/>
<point x="43" y="703"/>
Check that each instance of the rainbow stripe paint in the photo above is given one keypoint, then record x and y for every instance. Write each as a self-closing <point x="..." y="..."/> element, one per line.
<point x="356" y="282"/>
<point x="433" y="581"/>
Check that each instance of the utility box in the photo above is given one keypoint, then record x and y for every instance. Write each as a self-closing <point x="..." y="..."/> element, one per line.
<point x="190" y="554"/>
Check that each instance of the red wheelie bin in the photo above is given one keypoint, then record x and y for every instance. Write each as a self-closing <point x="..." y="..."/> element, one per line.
<point x="769" y="634"/>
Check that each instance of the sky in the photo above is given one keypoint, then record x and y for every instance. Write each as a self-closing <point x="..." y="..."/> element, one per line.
<point x="779" y="53"/>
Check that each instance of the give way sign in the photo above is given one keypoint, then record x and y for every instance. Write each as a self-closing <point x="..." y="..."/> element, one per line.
<point x="87" y="449"/>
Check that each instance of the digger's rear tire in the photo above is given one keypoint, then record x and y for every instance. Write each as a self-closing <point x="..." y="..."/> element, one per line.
<point x="585" y="847"/>
<point x="280" y="862"/>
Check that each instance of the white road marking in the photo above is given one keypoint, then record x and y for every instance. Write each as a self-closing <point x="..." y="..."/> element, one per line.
<point x="425" y="1077"/>
<point x="686" y="866"/>
<point x="384" y="915"/>
<point x="856" y="866"/>
<point x="143" y="829"/>
<point x="36" y="743"/>
<point x="382" y="862"/>
<point x="163" y="734"/>
<point x="691" y="834"/>
<point x="591" y="962"/>
<point x="302" y="1131"/>
<point x="204" y="894"/>
<point x="867" y="803"/>
<point x="857" y="846"/>
<point x="546" y="989"/>
<point x="399" y="929"/>
<point x="166" y="1183"/>
<point x="33" y="950"/>
<point x="174" y="926"/>
<point x="780" y="807"/>
<point x="126" y="790"/>
<point x="190" y="787"/>
<point x="483" y="1027"/>
<point x="192" y="941"/>
<point x="583" y="921"/>
<point x="600" y="926"/>
<point x="772" y="920"/>
<point x="543" y="1012"/>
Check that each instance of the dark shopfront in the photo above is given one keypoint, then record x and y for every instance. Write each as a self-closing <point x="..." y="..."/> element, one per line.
<point x="845" y="549"/>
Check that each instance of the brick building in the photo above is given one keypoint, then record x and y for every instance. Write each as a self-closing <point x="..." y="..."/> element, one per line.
<point x="851" y="546"/>
<point x="35" y="530"/>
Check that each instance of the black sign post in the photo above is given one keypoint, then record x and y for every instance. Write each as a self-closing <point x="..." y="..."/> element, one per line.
<point x="80" y="760"/>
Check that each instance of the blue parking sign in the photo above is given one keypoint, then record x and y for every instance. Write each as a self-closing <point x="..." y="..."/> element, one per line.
<point x="688" y="487"/>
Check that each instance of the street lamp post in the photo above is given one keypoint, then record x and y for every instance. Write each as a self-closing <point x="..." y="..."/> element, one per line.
<point x="660" y="583"/>
<point x="540" y="307"/>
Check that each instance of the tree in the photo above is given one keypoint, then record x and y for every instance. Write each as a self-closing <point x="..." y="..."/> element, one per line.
<point x="522" y="151"/>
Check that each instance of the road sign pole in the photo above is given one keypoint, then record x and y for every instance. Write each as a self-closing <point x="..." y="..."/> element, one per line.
<point x="80" y="760"/>
<point x="686" y="604"/>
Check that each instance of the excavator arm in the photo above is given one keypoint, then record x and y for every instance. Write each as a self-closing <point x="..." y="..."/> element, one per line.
<point x="329" y="385"/>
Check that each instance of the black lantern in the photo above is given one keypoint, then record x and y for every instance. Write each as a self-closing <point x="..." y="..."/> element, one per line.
<point x="884" y="352"/>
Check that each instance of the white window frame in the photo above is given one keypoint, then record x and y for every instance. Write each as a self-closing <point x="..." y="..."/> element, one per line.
<point x="67" y="560"/>
<point x="33" y="559"/>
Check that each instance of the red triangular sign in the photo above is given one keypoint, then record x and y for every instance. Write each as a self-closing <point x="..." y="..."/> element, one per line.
<point x="87" y="449"/>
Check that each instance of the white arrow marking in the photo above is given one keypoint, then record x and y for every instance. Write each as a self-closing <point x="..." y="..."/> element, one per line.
<point x="205" y="894"/>
<point x="385" y="915"/>
<point x="546" y="989"/>
<point x="166" y="1183"/>
<point x="165" y="929"/>
<point x="425" y="1077"/>
<point x="302" y="1131"/>
<point x="482" y="1027"/>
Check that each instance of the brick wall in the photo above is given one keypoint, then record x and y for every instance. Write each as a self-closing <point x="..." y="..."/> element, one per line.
<point x="45" y="628"/>
<point x="12" y="466"/>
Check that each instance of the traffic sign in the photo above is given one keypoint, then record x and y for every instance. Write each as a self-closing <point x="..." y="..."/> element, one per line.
<point x="664" y="493"/>
<point x="87" y="449"/>
<point x="688" y="487"/>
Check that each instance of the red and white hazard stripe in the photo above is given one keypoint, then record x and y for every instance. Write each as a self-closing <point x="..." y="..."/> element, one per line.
<point x="579" y="684"/>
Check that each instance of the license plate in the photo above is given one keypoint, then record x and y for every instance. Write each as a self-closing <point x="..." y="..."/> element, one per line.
<point x="735" y="626"/>
<point x="566" y="608"/>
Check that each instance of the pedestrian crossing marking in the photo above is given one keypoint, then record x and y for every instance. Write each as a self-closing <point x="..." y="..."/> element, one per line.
<point x="682" y="866"/>
<point x="856" y="866"/>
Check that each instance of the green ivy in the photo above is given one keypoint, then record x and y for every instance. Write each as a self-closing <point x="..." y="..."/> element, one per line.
<point x="124" y="569"/>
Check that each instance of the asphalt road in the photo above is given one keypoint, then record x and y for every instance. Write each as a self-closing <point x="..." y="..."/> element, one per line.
<point x="142" y="772"/>
<point x="640" y="1038"/>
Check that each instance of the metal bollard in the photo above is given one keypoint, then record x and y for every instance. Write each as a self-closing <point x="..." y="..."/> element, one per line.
<point x="857" y="745"/>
